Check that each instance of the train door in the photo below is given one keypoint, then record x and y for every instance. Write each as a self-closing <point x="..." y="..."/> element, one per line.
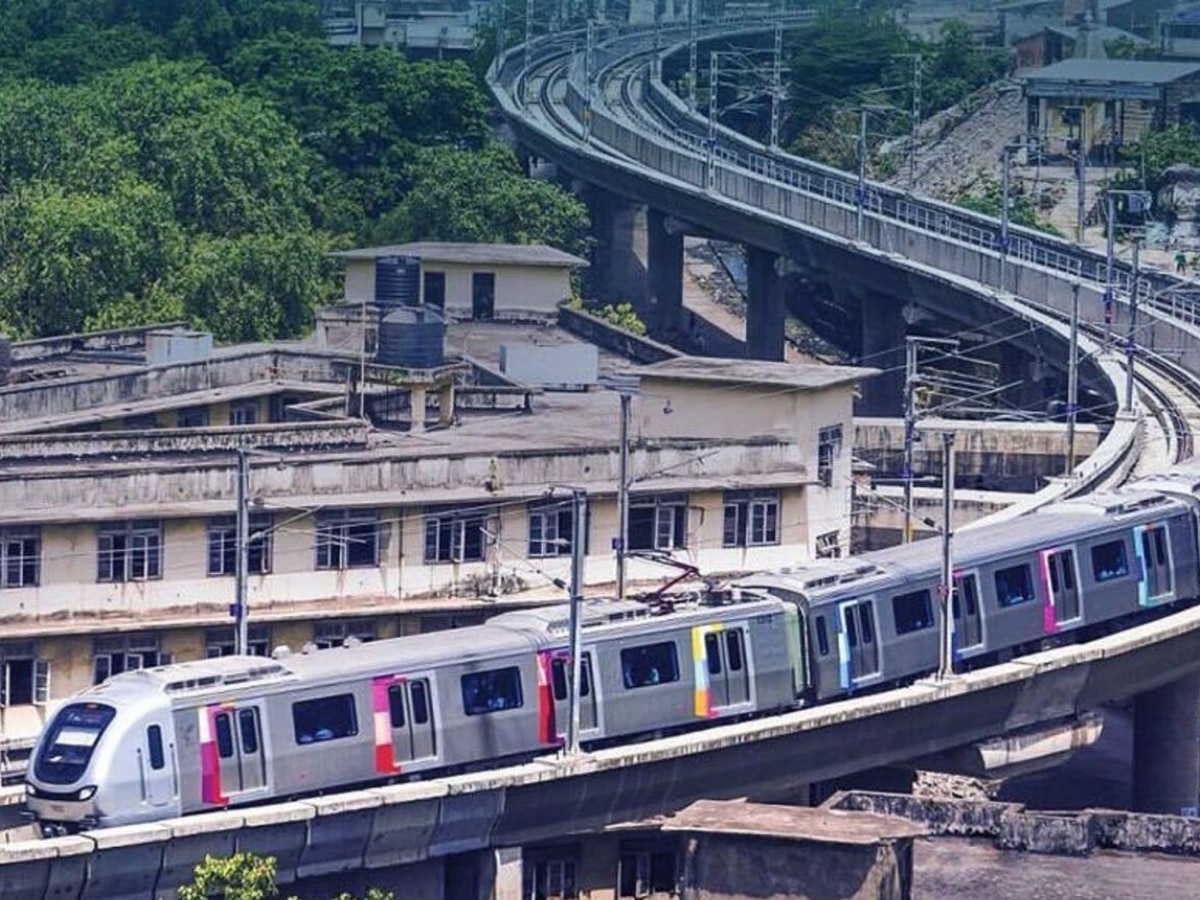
<point x="241" y="757"/>
<point x="156" y="762"/>
<point x="410" y="710"/>
<point x="560" y="680"/>
<point x="968" y="627"/>
<point x="1064" y="587"/>
<point x="858" y="648"/>
<point x="1154" y="563"/>
<point x="728" y="673"/>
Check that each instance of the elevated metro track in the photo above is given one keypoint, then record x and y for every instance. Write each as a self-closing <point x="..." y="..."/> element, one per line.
<point x="794" y="208"/>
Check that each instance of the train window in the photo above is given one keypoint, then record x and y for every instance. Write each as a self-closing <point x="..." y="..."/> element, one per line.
<point x="822" y="636"/>
<point x="712" y="650"/>
<point x="224" y="729"/>
<point x="324" y="719"/>
<point x="419" y="692"/>
<point x="396" y="705"/>
<point x="560" y="672"/>
<point x="1108" y="561"/>
<point x="650" y="664"/>
<point x="733" y="646"/>
<point x="248" y="726"/>
<point x="912" y="611"/>
<point x="495" y="690"/>
<point x="1013" y="585"/>
<point x="155" y="743"/>
<point x="70" y="740"/>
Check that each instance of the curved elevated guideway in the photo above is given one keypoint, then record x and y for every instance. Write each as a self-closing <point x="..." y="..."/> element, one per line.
<point x="604" y="117"/>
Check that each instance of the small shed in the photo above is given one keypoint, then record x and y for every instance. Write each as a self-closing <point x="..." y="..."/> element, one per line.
<point x="471" y="281"/>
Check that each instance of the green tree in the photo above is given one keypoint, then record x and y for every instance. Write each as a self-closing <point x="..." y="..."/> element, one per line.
<point x="245" y="876"/>
<point x="458" y="195"/>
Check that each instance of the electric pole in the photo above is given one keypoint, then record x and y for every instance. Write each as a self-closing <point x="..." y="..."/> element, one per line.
<point x="776" y="87"/>
<point x="860" y="193"/>
<point x="578" y="545"/>
<point x="1131" y="343"/>
<point x="946" y="592"/>
<point x="623" y="496"/>
<point x="1073" y="379"/>
<point x="692" y="76"/>
<point x="242" y="557"/>
<point x="713" y="83"/>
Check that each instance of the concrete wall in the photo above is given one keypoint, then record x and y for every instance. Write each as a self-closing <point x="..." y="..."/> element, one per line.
<point x="537" y="289"/>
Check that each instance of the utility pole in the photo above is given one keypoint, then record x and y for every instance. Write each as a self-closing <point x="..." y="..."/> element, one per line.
<point x="946" y="592"/>
<point x="713" y="85"/>
<point x="525" y="50"/>
<point x="623" y="496"/>
<point x="1131" y="343"/>
<point x="578" y="543"/>
<point x="242" y="558"/>
<point x="692" y="76"/>
<point x="1073" y="379"/>
<point x="910" y="427"/>
<point x="1080" y="173"/>
<point x="1109" y="255"/>
<point x="776" y="87"/>
<point x="1004" y="176"/>
<point x="860" y="193"/>
<point x="588" y="47"/>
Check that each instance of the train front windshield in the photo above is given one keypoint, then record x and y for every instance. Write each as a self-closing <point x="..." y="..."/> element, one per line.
<point x="68" y="746"/>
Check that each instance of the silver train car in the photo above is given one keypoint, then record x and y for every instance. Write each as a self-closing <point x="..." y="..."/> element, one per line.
<point x="226" y="732"/>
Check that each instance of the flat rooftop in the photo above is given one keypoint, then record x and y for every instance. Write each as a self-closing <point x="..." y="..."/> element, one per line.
<point x="800" y="376"/>
<point x="1114" y="71"/>
<point x="790" y="823"/>
<point x="471" y="254"/>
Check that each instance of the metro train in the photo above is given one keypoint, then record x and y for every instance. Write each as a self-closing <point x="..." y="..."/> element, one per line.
<point x="226" y="732"/>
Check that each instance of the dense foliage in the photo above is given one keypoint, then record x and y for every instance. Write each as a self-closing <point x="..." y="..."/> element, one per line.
<point x="245" y="876"/>
<point x="198" y="159"/>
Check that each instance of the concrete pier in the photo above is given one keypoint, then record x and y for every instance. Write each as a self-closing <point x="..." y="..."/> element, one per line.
<point x="764" y="305"/>
<point x="1166" y="765"/>
<point x="619" y="226"/>
<point x="664" y="260"/>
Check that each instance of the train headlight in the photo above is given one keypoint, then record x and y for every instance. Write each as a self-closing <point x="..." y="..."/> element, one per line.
<point x="88" y="792"/>
<point x="30" y="790"/>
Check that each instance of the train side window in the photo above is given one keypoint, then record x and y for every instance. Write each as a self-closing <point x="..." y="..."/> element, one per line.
<point x="155" y="742"/>
<point x="733" y="645"/>
<point x="248" y="726"/>
<point x="396" y="705"/>
<point x="912" y="611"/>
<point x="560" y="672"/>
<point x="650" y="664"/>
<point x="712" y="651"/>
<point x="495" y="690"/>
<point x="1108" y="561"/>
<point x="224" y="736"/>
<point x="419" y="695"/>
<point x="324" y="719"/>
<point x="822" y="637"/>
<point x="1014" y="585"/>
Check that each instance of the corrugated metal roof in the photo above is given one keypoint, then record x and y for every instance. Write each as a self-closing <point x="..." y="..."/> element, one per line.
<point x="470" y="254"/>
<point x="1119" y="71"/>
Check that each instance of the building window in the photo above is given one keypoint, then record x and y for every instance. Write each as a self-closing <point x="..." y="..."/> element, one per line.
<point x="650" y="664"/>
<point x="129" y="551"/>
<point x="646" y="872"/>
<point x="143" y="422"/>
<point x="348" y="539"/>
<point x="193" y="417"/>
<point x="751" y="518"/>
<point x="435" y="290"/>
<point x="829" y="448"/>
<point x="495" y="690"/>
<point x="560" y="677"/>
<point x="658" y="522"/>
<point x="912" y="612"/>
<point x="324" y="719"/>
<point x="223" y="642"/>
<point x="550" y="879"/>
<point x="829" y="545"/>
<point x="222" y="545"/>
<point x="125" y="653"/>
<point x="20" y="557"/>
<point x="336" y="633"/>
<point x="24" y="679"/>
<point x="551" y="528"/>
<point x="243" y="413"/>
<point x="455" y="534"/>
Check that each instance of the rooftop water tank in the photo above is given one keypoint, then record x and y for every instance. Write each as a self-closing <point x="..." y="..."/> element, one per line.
<point x="413" y="337"/>
<point x="5" y="357"/>
<point x="397" y="281"/>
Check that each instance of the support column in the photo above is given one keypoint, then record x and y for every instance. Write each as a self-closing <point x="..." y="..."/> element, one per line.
<point x="1166" y="767"/>
<point x="599" y="864"/>
<point x="618" y="272"/>
<point x="507" y="873"/>
<point x="664" y="262"/>
<point x="418" y="397"/>
<point x="764" y="306"/>
<point x="446" y="404"/>
<point x="883" y="330"/>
